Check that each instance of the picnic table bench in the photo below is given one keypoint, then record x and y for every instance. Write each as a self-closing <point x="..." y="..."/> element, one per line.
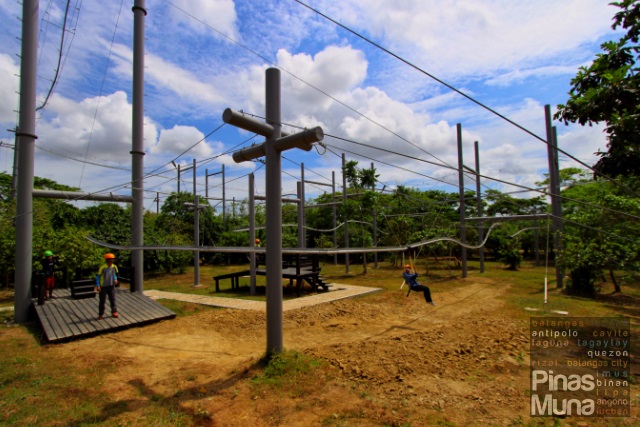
<point x="300" y="269"/>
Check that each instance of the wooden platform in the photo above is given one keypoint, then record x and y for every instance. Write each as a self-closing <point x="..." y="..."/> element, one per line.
<point x="64" y="318"/>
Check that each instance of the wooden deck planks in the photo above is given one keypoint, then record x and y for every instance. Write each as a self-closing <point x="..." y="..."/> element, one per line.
<point x="65" y="318"/>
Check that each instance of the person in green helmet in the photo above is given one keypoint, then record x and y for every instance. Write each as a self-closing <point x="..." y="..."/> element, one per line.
<point x="49" y="264"/>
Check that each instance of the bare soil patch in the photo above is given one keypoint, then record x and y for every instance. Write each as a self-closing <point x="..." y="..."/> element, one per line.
<point x="389" y="360"/>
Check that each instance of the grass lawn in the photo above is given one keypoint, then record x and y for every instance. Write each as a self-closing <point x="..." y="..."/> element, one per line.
<point x="45" y="388"/>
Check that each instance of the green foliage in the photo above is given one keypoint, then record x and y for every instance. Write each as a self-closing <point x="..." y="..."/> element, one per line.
<point x="177" y="216"/>
<point x="47" y="184"/>
<point x="504" y="247"/>
<point x="568" y="177"/>
<point x="109" y="222"/>
<point x="44" y="235"/>
<point x="503" y="204"/>
<point x="600" y="233"/>
<point x="164" y="260"/>
<point x="440" y="248"/>
<point x="7" y="238"/>
<point x="608" y="91"/>
<point x="168" y="261"/>
<point x="362" y="182"/>
<point x="63" y="214"/>
<point x="509" y="254"/>
<point x="5" y="186"/>
<point x="176" y="213"/>
<point x="75" y="251"/>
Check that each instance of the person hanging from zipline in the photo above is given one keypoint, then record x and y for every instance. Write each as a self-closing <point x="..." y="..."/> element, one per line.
<point x="411" y="279"/>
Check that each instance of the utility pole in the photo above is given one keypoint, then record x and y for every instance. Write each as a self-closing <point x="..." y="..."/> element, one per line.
<point x="375" y="225"/>
<point x="196" y="231"/>
<point x="272" y="149"/>
<point x="463" y="227"/>
<point x="301" y="234"/>
<point x="25" y="143"/>
<point x="207" y="175"/>
<point x="252" y="233"/>
<point x="346" y="219"/>
<point x="554" y="190"/>
<point x="335" y="214"/>
<point x="479" y="206"/>
<point x="302" y="221"/>
<point x="137" y="142"/>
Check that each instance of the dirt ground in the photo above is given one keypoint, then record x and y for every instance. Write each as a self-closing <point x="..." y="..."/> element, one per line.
<point x="391" y="360"/>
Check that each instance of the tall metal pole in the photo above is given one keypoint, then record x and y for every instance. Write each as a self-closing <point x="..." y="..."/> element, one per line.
<point x="346" y="219"/>
<point x="463" y="228"/>
<point x="196" y="230"/>
<point x="479" y="206"/>
<point x="273" y="193"/>
<point x="556" y="208"/>
<point x="300" y="192"/>
<point x="302" y="219"/>
<point x="554" y="132"/>
<point x="375" y="226"/>
<point x="252" y="232"/>
<point x="224" y="199"/>
<point x="137" y="150"/>
<point x="14" y="177"/>
<point x="557" y="216"/>
<point x="271" y="149"/>
<point x="178" y="179"/>
<point x="25" y="142"/>
<point x="536" y="238"/>
<point x="206" y="184"/>
<point x="334" y="211"/>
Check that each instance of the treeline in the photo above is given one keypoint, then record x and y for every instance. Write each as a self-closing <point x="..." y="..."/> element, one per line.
<point x="601" y="230"/>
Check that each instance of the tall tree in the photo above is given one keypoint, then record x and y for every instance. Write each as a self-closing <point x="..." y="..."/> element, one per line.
<point x="600" y="235"/>
<point x="362" y="181"/>
<point x="609" y="91"/>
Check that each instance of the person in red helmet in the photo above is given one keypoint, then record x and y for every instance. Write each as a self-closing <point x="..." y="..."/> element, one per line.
<point x="106" y="282"/>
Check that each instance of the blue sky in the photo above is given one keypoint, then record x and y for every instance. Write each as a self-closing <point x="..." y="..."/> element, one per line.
<point x="203" y="56"/>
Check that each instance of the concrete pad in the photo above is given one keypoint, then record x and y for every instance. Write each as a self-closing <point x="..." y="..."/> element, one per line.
<point x="337" y="292"/>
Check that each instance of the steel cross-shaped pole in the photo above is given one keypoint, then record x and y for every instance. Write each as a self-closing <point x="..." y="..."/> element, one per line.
<point x="276" y="142"/>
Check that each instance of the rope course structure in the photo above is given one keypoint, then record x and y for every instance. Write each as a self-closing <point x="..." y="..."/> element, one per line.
<point x="293" y="251"/>
<point x="24" y="213"/>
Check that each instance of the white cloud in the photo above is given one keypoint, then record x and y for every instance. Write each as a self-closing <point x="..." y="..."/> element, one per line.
<point x="8" y="89"/>
<point x="166" y="76"/>
<point x="219" y="14"/>
<point x="335" y="71"/>
<point x="581" y="142"/>
<point x="481" y="45"/>
<point x="178" y="139"/>
<point x="99" y="127"/>
<point x="477" y="37"/>
<point x="339" y="71"/>
<point x="519" y="76"/>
